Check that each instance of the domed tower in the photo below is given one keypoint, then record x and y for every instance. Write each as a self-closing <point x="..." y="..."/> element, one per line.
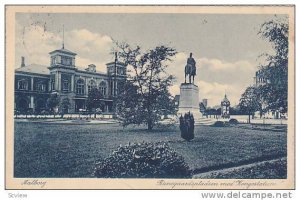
<point x="225" y="105"/>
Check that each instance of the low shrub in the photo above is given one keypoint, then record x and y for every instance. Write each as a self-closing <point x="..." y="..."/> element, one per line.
<point x="143" y="160"/>
<point x="219" y="124"/>
<point x="233" y="121"/>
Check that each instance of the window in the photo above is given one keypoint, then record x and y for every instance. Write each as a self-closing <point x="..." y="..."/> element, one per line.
<point x="80" y="87"/>
<point x="23" y="85"/>
<point x="52" y="60"/>
<point x="65" y="85"/>
<point x="103" y="88"/>
<point x="92" y="84"/>
<point x="40" y="87"/>
<point x="52" y="85"/>
<point x="66" y="60"/>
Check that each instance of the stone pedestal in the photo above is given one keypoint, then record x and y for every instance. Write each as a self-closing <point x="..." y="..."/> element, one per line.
<point x="189" y="100"/>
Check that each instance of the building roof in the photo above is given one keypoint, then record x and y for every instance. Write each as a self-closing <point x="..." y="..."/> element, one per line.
<point x="34" y="68"/>
<point x="63" y="50"/>
<point x="225" y="99"/>
<point x="43" y="69"/>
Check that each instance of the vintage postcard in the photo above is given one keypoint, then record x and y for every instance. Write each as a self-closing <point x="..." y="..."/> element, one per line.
<point x="150" y="97"/>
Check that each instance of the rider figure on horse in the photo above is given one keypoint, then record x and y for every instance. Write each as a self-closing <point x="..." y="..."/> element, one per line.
<point x="190" y="68"/>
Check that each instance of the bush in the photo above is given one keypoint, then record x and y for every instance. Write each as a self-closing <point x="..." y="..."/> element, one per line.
<point x="143" y="160"/>
<point x="233" y="121"/>
<point x="219" y="124"/>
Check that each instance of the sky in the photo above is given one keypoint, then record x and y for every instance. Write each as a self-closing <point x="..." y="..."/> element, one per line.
<point x="226" y="47"/>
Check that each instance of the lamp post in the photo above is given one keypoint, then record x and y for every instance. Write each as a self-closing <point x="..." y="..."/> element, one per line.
<point x="115" y="73"/>
<point x="115" y="84"/>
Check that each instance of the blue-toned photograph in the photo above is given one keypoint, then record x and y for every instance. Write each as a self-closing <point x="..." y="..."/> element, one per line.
<point x="151" y="95"/>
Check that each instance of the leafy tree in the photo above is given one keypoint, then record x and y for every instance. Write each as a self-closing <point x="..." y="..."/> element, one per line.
<point x="53" y="102"/>
<point x="275" y="69"/>
<point x="64" y="106"/>
<point x="145" y="96"/>
<point x="249" y="102"/>
<point x="94" y="100"/>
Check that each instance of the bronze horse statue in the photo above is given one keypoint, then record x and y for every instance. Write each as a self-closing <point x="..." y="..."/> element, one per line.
<point x="190" y="69"/>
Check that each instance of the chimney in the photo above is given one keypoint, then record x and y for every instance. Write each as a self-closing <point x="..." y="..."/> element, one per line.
<point x="23" y="61"/>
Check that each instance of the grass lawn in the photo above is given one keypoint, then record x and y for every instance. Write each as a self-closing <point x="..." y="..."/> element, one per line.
<point x="57" y="150"/>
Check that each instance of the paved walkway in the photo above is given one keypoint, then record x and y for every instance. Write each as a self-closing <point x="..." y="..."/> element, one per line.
<point x="66" y="121"/>
<point x="210" y="174"/>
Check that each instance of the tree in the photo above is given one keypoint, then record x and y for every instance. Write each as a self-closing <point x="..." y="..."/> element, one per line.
<point x="275" y="69"/>
<point x="53" y="102"/>
<point x="94" y="100"/>
<point x="249" y="102"/>
<point x="145" y="96"/>
<point x="64" y="106"/>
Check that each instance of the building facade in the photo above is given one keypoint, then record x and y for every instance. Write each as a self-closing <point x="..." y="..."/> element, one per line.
<point x="35" y="83"/>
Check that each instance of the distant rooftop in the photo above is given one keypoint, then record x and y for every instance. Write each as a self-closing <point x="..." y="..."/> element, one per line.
<point x="34" y="68"/>
<point x="43" y="69"/>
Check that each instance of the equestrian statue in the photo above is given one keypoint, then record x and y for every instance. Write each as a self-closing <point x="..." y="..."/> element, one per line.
<point x="190" y="69"/>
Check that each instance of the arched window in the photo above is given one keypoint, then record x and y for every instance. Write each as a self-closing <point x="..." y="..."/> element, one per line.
<point x="92" y="84"/>
<point x="103" y="88"/>
<point x="80" y="87"/>
<point x="23" y="84"/>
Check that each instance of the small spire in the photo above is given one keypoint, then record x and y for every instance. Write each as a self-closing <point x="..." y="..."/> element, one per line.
<point x="63" y="41"/>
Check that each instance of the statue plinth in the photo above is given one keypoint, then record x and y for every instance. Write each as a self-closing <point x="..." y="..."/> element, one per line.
<point x="189" y="100"/>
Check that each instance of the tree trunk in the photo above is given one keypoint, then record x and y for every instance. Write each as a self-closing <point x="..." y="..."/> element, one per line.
<point x="150" y="125"/>
<point x="95" y="115"/>
<point x="249" y="118"/>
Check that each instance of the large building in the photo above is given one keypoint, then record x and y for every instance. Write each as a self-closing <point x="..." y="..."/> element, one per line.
<point x="34" y="83"/>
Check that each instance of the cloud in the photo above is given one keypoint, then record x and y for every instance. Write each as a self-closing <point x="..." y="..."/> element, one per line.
<point x="215" y="92"/>
<point x="92" y="48"/>
<point x="35" y="42"/>
<point x="215" y="77"/>
<point x="219" y="65"/>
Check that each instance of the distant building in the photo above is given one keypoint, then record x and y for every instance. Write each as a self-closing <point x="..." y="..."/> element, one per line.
<point x="225" y="106"/>
<point x="260" y="80"/>
<point x="34" y="83"/>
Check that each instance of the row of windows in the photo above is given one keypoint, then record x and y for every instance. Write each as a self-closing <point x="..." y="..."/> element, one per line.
<point x="80" y="86"/>
<point x="62" y="60"/>
<point x="92" y="84"/>
<point x="23" y="85"/>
